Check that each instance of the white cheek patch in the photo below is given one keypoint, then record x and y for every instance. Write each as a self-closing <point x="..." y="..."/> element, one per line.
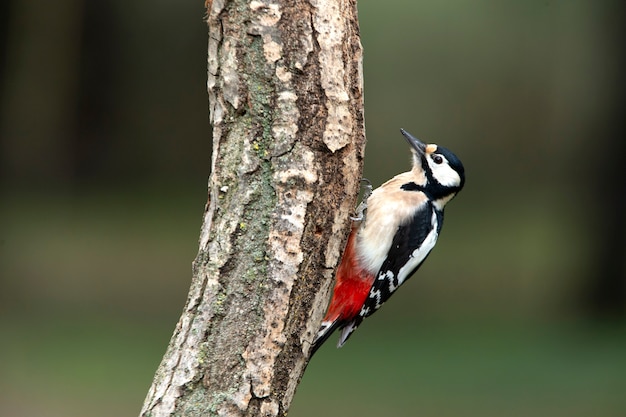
<point x="444" y="174"/>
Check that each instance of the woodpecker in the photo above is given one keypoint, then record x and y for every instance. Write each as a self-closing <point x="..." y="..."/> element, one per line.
<point x="396" y="227"/>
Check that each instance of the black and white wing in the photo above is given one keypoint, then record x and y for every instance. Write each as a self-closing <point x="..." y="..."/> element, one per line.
<point x="411" y="245"/>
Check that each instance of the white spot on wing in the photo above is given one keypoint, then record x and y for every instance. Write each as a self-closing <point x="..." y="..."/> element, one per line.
<point x="389" y="277"/>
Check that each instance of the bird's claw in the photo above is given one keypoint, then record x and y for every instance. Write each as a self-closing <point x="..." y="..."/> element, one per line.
<point x="362" y="207"/>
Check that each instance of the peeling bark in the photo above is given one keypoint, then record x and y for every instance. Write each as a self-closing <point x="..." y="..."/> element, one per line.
<point x="286" y="105"/>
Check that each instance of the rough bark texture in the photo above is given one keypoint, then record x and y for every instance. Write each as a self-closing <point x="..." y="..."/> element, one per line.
<point x="286" y="104"/>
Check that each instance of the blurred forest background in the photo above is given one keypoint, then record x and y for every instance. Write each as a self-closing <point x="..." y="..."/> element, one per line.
<point x="104" y="160"/>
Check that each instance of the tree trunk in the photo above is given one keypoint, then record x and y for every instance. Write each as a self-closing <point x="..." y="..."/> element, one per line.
<point x="286" y="104"/>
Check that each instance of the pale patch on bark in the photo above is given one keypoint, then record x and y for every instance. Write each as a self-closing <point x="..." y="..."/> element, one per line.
<point x="266" y="16"/>
<point x="230" y="76"/>
<point x="283" y="74"/>
<point x="284" y="127"/>
<point x="329" y="23"/>
<point x="269" y="408"/>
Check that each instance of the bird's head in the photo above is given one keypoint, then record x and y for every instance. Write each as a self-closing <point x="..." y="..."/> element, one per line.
<point x="437" y="170"/>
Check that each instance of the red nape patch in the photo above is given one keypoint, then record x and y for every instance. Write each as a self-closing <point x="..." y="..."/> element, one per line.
<point x="351" y="287"/>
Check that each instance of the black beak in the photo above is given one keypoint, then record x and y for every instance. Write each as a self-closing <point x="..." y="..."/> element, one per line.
<point x="415" y="143"/>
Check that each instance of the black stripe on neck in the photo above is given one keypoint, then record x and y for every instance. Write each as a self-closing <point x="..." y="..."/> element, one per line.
<point x="411" y="186"/>
<point x="433" y="191"/>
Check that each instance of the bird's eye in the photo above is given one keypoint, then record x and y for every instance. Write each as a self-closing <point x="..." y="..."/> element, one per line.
<point x="437" y="159"/>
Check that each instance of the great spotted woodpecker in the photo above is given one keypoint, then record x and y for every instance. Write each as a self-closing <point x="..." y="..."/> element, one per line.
<point x="391" y="237"/>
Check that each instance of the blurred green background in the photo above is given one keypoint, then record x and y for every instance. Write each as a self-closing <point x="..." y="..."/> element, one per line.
<point x="105" y="150"/>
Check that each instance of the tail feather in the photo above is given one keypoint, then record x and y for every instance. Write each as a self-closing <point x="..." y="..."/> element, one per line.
<point x="347" y="329"/>
<point x="326" y="329"/>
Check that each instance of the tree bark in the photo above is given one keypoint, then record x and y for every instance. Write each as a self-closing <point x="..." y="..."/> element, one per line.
<point x="286" y="104"/>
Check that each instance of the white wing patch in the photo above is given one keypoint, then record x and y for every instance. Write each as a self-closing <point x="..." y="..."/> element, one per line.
<point x="420" y="253"/>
